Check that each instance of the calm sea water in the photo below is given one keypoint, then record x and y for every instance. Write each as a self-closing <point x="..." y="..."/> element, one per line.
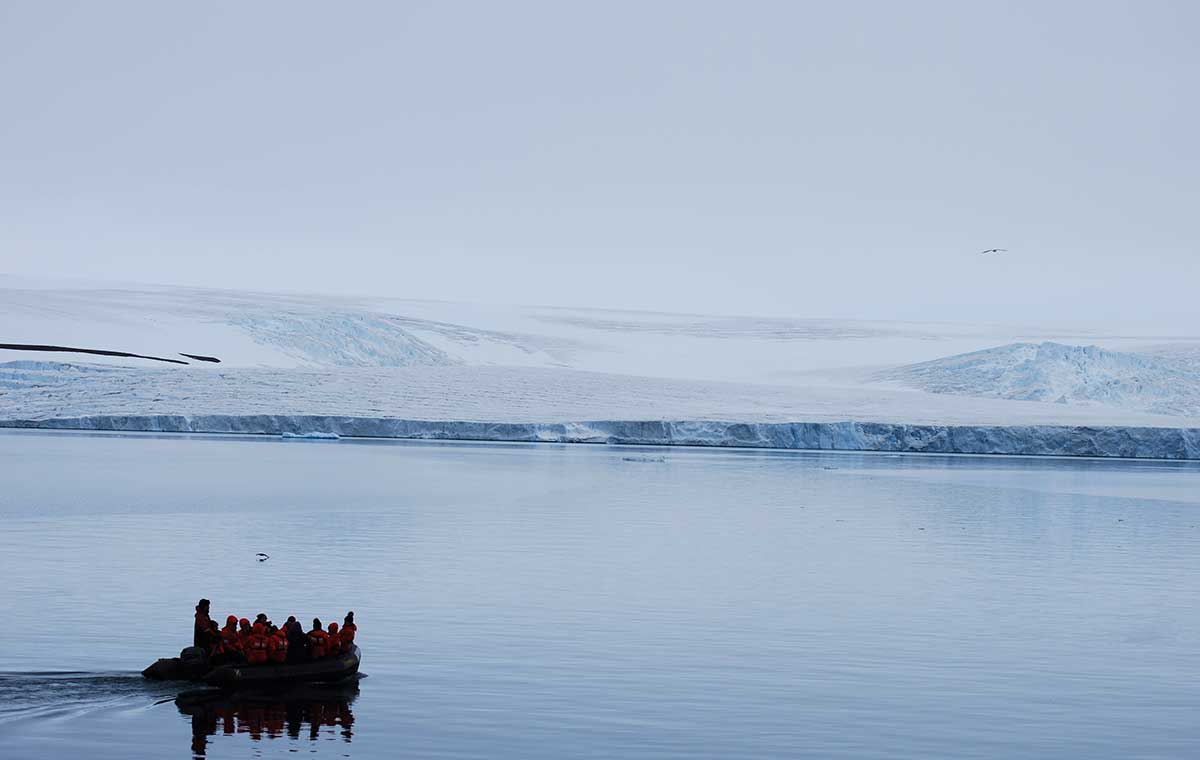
<point x="547" y="601"/>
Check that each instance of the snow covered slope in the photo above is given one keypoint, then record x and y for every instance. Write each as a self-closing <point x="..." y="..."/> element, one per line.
<point x="307" y="363"/>
<point x="512" y="395"/>
<point x="1063" y="374"/>
<point x="247" y="329"/>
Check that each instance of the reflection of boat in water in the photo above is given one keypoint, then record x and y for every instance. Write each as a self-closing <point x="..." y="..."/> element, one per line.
<point x="327" y="670"/>
<point x="191" y="665"/>
<point x="306" y="710"/>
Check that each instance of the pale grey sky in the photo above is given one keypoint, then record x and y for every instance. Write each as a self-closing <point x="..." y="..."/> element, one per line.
<point x="808" y="159"/>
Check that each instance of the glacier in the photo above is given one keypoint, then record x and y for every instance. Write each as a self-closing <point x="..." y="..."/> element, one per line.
<point x="1022" y="440"/>
<point x="1065" y="374"/>
<point x="568" y="406"/>
<point x="310" y="366"/>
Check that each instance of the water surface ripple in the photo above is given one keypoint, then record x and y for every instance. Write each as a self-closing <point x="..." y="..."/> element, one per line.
<point x="591" y="601"/>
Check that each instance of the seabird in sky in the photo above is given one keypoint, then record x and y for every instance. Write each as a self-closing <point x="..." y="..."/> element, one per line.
<point x="994" y="250"/>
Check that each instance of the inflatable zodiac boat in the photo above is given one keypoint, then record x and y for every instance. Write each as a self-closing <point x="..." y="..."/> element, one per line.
<point x="192" y="665"/>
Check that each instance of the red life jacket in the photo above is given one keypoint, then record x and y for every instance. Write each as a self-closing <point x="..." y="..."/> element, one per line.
<point x="200" y="631"/>
<point x="277" y="648"/>
<point x="230" y="639"/>
<point x="346" y="635"/>
<point x="256" y="649"/>
<point x="318" y="642"/>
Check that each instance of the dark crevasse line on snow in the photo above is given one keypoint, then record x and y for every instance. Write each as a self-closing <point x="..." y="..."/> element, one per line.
<point x="93" y="351"/>
<point x="201" y="358"/>
<point x="1018" y="440"/>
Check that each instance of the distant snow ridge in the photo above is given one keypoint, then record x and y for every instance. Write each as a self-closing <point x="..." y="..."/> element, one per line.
<point x="35" y="374"/>
<point x="1059" y="373"/>
<point x="343" y="340"/>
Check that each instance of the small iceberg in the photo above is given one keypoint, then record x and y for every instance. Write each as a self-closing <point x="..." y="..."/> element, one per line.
<point x="314" y="435"/>
<point x="644" y="459"/>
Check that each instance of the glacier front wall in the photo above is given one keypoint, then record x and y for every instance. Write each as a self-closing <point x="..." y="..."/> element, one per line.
<point x="1024" y="440"/>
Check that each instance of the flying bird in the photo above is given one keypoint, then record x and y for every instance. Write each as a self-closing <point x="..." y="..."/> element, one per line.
<point x="994" y="250"/>
<point x="262" y="557"/>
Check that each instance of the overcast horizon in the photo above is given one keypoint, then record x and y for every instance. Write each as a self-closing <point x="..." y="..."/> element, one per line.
<point x="764" y="159"/>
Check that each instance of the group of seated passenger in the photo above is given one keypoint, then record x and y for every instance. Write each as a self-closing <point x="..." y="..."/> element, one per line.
<point x="263" y="642"/>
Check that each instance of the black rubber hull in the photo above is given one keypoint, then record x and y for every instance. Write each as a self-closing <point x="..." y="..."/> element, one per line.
<point x="171" y="669"/>
<point x="327" y="670"/>
<point x="191" y="665"/>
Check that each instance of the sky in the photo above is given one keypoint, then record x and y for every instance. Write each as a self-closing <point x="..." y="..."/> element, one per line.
<point x="793" y="159"/>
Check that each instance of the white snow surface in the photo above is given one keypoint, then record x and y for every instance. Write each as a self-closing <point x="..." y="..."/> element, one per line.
<point x="517" y="395"/>
<point x="303" y="364"/>
<point x="247" y="329"/>
<point x="1156" y="382"/>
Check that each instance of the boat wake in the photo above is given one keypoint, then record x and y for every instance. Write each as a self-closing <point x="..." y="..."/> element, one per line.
<point x="46" y="695"/>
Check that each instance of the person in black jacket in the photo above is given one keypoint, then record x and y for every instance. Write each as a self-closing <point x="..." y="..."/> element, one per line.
<point x="297" y="643"/>
<point x="201" y="635"/>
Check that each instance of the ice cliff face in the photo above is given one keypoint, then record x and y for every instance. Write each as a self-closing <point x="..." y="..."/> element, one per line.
<point x="535" y="404"/>
<point x="1028" y="440"/>
<point x="1062" y="374"/>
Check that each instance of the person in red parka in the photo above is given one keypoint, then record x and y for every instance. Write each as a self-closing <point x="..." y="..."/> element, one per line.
<point x="318" y="640"/>
<point x="347" y="633"/>
<point x="334" y="647"/>
<point x="229" y="635"/>
<point x="244" y="631"/>
<point x="231" y="642"/>
<point x="256" y="645"/>
<point x="277" y="647"/>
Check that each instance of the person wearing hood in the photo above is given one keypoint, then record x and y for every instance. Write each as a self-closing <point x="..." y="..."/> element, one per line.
<point x="256" y="645"/>
<point x="244" y="633"/>
<point x="201" y="631"/>
<point x="297" y="642"/>
<point x="231" y="642"/>
<point x="318" y="640"/>
<point x="277" y="646"/>
<point x="346" y="635"/>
